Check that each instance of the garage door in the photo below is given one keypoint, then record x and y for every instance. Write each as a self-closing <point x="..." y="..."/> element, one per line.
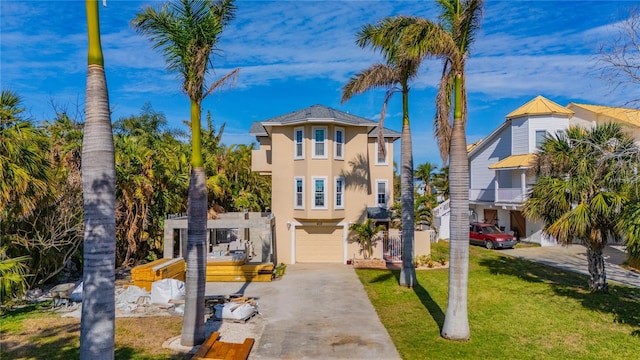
<point x="319" y="244"/>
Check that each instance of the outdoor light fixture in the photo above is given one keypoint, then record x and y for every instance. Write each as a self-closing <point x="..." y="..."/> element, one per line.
<point x="288" y="225"/>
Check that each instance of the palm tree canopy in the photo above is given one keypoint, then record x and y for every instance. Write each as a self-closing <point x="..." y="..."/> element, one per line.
<point x="187" y="31"/>
<point x="584" y="184"/>
<point x="448" y="40"/>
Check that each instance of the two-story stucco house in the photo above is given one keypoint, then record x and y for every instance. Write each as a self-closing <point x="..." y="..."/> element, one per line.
<point x="499" y="163"/>
<point x="326" y="173"/>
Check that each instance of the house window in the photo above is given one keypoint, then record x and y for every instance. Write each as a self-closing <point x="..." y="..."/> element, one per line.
<point x="338" y="144"/>
<point x="540" y="135"/>
<point x="298" y="143"/>
<point x="320" y="142"/>
<point x="319" y="193"/>
<point x="339" y="204"/>
<point x="381" y="192"/>
<point x="381" y="159"/>
<point x="298" y="200"/>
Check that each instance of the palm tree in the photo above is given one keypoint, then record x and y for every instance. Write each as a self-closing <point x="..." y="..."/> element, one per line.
<point x="585" y="181"/>
<point x="97" y="330"/>
<point x="187" y="31"/>
<point x="425" y="172"/>
<point x="364" y="233"/>
<point x="24" y="166"/>
<point x="450" y="40"/>
<point x="394" y="76"/>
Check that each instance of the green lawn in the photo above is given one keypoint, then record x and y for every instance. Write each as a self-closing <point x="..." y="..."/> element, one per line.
<point x="517" y="310"/>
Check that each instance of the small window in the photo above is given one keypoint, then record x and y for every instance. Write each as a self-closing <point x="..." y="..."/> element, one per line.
<point x="381" y="192"/>
<point x="319" y="193"/>
<point x="298" y="143"/>
<point x="338" y="144"/>
<point x="381" y="159"/>
<point x="339" y="204"/>
<point x="298" y="200"/>
<point x="320" y="142"/>
<point x="540" y="135"/>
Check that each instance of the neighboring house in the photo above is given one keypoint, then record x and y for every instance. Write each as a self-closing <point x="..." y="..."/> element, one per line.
<point x="326" y="173"/>
<point x="499" y="163"/>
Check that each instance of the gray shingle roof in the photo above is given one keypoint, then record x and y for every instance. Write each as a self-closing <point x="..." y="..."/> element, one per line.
<point x="318" y="113"/>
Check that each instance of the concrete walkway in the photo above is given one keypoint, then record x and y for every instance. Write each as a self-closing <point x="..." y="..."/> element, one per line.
<point x="313" y="312"/>
<point x="574" y="258"/>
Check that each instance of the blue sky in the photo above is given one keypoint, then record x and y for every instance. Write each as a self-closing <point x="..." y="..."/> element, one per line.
<point x="293" y="54"/>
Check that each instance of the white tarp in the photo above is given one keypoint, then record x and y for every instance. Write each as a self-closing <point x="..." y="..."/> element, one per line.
<point x="234" y="311"/>
<point x="166" y="289"/>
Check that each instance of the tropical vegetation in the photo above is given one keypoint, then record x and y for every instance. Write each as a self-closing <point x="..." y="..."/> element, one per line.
<point x="586" y="191"/>
<point x="364" y="234"/>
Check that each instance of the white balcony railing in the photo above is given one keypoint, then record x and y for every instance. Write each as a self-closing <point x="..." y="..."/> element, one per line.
<point x="500" y="195"/>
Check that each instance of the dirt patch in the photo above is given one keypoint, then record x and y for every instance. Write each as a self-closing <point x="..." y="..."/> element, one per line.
<point x="58" y="338"/>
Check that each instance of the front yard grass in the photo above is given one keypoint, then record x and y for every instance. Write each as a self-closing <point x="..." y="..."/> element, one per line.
<point x="517" y="310"/>
<point x="34" y="333"/>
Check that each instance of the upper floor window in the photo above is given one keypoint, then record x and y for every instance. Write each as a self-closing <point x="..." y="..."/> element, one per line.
<point x="380" y="158"/>
<point x="298" y="200"/>
<point x="540" y="135"/>
<point x="381" y="192"/>
<point x="320" y="142"/>
<point x="338" y="144"/>
<point x="339" y="195"/>
<point x="298" y="143"/>
<point x="319" y="193"/>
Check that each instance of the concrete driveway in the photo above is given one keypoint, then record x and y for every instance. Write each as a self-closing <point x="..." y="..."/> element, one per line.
<point x="574" y="258"/>
<point x="316" y="311"/>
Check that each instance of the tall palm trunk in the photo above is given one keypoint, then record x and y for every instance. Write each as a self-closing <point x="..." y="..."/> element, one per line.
<point x="97" y="327"/>
<point x="193" y="331"/>
<point x="456" y="321"/>
<point x="597" y="272"/>
<point x="408" y="272"/>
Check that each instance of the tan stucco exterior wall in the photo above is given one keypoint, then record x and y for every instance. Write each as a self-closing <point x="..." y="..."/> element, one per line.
<point x="358" y="169"/>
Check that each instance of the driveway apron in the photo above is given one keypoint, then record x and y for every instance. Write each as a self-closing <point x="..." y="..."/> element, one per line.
<point x="574" y="258"/>
<point x="315" y="311"/>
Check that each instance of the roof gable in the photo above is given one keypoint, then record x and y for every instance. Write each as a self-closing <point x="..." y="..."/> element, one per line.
<point x="540" y="106"/>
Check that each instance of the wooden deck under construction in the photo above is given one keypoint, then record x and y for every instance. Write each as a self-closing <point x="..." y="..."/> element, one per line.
<point x="144" y="275"/>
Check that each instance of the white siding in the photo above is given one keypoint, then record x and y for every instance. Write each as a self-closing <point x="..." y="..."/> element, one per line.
<point x="481" y="177"/>
<point x="520" y="135"/>
<point x="551" y="124"/>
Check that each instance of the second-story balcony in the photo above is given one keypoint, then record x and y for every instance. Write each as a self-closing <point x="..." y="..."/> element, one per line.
<point x="499" y="195"/>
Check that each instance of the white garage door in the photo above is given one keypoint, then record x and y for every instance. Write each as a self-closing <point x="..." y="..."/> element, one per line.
<point x="319" y="244"/>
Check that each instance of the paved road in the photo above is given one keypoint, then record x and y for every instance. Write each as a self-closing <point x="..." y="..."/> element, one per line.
<point x="574" y="258"/>
<point x="313" y="312"/>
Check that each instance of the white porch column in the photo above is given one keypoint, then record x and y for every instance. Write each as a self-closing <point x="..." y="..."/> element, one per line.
<point x="495" y="190"/>
<point x="293" y="242"/>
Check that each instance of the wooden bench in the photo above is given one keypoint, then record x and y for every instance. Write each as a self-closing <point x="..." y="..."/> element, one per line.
<point x="214" y="349"/>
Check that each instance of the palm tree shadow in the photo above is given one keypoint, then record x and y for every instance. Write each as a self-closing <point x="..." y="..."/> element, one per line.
<point x="620" y="301"/>
<point x="425" y="298"/>
<point x="431" y="305"/>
